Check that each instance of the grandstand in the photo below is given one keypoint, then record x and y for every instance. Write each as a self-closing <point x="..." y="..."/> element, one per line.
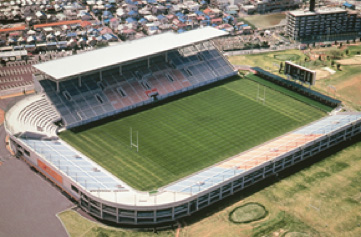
<point x="84" y="94"/>
<point x="112" y="80"/>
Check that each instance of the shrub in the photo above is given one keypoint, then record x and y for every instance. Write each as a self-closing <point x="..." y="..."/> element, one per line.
<point x="247" y="213"/>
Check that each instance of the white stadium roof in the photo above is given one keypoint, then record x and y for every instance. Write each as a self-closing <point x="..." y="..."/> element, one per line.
<point x="113" y="55"/>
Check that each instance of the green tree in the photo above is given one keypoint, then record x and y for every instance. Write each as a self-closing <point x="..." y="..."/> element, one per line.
<point x="335" y="54"/>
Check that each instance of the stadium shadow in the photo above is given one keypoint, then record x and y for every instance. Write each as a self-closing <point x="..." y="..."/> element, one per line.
<point x="152" y="105"/>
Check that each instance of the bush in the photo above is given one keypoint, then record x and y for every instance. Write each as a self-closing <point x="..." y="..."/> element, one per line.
<point x="247" y="213"/>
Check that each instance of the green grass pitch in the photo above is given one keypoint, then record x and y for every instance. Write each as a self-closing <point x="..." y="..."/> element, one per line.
<point x="186" y="135"/>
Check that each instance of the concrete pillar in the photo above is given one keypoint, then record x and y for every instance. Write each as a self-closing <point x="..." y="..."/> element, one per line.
<point x="57" y="87"/>
<point x="79" y="81"/>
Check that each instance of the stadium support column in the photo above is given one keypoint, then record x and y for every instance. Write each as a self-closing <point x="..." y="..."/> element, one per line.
<point x="101" y="75"/>
<point x="166" y="57"/>
<point x="148" y="59"/>
<point x="120" y="70"/>
<point x="79" y="81"/>
<point x="57" y="87"/>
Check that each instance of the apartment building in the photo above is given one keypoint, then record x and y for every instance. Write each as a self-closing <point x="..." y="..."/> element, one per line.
<point x="326" y="24"/>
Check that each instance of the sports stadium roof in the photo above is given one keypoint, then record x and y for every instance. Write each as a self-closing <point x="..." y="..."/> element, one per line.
<point x="113" y="55"/>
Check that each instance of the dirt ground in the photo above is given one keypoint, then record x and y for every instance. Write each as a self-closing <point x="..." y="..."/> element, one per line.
<point x="356" y="60"/>
<point x="322" y="74"/>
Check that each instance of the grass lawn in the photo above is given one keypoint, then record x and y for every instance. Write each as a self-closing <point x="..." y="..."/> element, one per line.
<point x="293" y="94"/>
<point x="268" y="61"/>
<point x="77" y="225"/>
<point x="347" y="81"/>
<point x="264" y="21"/>
<point x="194" y="132"/>
<point x="320" y="200"/>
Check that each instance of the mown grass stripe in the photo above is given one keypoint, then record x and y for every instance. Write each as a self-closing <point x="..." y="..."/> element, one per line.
<point x="191" y="133"/>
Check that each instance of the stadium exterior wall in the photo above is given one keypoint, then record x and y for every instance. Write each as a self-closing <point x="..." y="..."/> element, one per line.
<point x="172" y="211"/>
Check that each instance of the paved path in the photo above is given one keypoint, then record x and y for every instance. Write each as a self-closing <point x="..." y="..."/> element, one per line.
<point x="28" y="203"/>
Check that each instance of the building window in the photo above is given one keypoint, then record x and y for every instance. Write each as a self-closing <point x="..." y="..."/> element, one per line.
<point x="170" y="78"/>
<point x="67" y="95"/>
<point x="99" y="98"/>
<point x="75" y="189"/>
<point x="146" y="85"/>
<point x="101" y="85"/>
<point x="121" y="92"/>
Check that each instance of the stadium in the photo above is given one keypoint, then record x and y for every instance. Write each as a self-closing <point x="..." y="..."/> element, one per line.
<point x="136" y="134"/>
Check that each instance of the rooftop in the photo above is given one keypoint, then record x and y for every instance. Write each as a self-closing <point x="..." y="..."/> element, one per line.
<point x="317" y="11"/>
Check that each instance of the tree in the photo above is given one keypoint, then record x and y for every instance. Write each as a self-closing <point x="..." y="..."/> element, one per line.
<point x="281" y="67"/>
<point x="320" y="58"/>
<point x="335" y="54"/>
<point x="339" y="67"/>
<point x="346" y="51"/>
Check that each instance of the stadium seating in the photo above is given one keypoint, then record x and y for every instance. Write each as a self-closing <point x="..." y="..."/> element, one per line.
<point x="187" y="68"/>
<point x="40" y="115"/>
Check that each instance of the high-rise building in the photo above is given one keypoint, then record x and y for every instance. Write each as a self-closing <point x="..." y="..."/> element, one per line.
<point x="323" y="24"/>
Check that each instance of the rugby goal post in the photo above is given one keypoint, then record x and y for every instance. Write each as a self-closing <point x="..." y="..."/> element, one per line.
<point x="132" y="144"/>
<point x="263" y="99"/>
